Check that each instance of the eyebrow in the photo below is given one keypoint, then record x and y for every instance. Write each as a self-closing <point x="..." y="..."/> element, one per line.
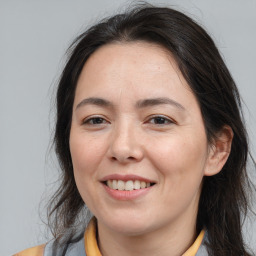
<point x="158" y="101"/>
<point x="139" y="104"/>
<point x="95" y="101"/>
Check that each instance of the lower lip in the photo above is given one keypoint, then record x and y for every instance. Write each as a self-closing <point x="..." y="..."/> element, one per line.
<point x="126" y="195"/>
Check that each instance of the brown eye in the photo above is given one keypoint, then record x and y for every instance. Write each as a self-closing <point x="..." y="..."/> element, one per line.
<point x="95" y="121"/>
<point x="160" y="120"/>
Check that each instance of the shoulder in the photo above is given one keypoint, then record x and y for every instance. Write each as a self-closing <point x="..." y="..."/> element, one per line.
<point x="34" y="251"/>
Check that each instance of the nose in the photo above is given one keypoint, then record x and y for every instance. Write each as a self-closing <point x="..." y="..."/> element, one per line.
<point x="125" y="145"/>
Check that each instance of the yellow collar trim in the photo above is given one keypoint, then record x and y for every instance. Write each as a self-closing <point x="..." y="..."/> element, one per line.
<point x="192" y="250"/>
<point x="90" y="241"/>
<point x="92" y="249"/>
<point x="34" y="251"/>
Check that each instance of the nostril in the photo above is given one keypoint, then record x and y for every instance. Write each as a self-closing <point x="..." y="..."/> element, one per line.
<point x="114" y="159"/>
<point x="123" y="158"/>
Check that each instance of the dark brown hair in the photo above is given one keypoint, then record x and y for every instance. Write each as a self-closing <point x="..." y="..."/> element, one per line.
<point x="223" y="200"/>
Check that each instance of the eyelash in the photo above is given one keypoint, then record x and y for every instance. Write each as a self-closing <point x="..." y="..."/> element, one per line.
<point x="167" y="121"/>
<point x="90" y="121"/>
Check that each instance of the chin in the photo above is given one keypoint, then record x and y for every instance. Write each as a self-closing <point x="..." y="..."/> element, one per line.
<point x="129" y="225"/>
<point x="129" y="229"/>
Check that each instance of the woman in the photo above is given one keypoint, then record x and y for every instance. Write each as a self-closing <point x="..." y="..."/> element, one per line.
<point x="150" y="138"/>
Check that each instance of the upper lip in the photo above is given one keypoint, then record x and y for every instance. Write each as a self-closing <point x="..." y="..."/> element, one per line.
<point x="125" y="178"/>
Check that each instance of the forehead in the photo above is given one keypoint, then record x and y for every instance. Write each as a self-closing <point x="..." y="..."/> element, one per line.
<point x="129" y="62"/>
<point x="149" y="56"/>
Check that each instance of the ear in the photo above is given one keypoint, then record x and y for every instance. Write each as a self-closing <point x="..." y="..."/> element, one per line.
<point x="219" y="151"/>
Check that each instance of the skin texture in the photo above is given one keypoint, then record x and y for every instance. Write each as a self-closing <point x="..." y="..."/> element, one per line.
<point x="165" y="143"/>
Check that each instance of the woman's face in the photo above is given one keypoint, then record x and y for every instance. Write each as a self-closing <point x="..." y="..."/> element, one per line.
<point x="137" y="140"/>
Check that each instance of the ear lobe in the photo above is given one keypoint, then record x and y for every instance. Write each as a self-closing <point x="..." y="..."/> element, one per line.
<point x="219" y="151"/>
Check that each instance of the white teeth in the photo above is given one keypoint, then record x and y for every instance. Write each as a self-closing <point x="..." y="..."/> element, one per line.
<point x="114" y="184"/>
<point x="143" y="184"/>
<point x="109" y="183"/>
<point x="136" y="184"/>
<point x="127" y="185"/>
<point x="120" y="185"/>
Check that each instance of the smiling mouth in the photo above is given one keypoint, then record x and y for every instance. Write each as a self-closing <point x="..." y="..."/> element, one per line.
<point x="127" y="185"/>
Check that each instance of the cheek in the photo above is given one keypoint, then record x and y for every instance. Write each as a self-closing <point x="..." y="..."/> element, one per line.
<point x="87" y="154"/>
<point x="181" y="158"/>
<point x="180" y="164"/>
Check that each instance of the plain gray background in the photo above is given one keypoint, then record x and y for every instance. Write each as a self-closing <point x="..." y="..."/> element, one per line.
<point x="33" y="38"/>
